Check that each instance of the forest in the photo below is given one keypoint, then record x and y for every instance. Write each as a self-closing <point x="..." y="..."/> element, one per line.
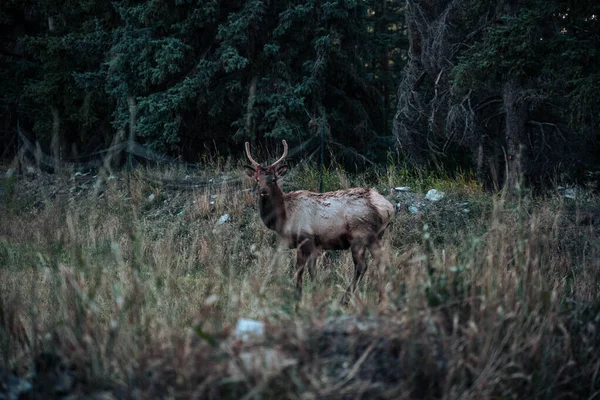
<point x="141" y="257"/>
<point x="503" y="88"/>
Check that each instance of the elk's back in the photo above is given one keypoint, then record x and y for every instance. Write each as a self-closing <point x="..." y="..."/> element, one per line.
<point x="335" y="220"/>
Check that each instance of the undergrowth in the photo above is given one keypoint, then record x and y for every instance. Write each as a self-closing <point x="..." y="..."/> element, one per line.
<point x="141" y="294"/>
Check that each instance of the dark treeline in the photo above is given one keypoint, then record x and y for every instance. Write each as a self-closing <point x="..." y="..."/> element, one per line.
<point x="502" y="86"/>
<point x="192" y="73"/>
<point x="452" y="83"/>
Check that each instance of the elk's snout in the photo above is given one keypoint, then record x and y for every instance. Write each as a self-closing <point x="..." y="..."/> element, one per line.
<point x="263" y="191"/>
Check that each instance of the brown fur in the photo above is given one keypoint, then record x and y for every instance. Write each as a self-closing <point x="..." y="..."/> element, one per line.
<point x="311" y="222"/>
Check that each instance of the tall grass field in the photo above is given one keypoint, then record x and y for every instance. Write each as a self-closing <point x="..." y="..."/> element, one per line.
<point x="131" y="288"/>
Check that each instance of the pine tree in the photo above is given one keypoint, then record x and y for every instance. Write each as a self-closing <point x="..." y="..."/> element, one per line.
<point x="501" y="83"/>
<point x="58" y="40"/>
<point x="179" y="75"/>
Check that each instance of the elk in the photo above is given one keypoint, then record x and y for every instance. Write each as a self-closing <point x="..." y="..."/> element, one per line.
<point x="311" y="222"/>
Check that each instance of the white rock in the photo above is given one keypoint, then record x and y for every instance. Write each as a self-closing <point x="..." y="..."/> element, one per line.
<point x="413" y="209"/>
<point x="111" y="177"/>
<point x="30" y="171"/>
<point x="212" y="299"/>
<point x="224" y="218"/>
<point x="246" y="328"/>
<point x="263" y="361"/>
<point x="434" y="195"/>
<point x="10" y="172"/>
<point x="570" y="193"/>
<point x="213" y="196"/>
<point x="151" y="197"/>
<point x="402" y="188"/>
<point x="466" y="210"/>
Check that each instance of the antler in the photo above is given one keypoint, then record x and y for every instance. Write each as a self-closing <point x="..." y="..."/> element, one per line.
<point x="254" y="163"/>
<point x="285" y="152"/>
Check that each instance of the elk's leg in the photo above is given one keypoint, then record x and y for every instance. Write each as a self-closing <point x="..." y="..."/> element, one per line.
<point x="380" y="261"/>
<point x="311" y="264"/>
<point x="360" y="266"/>
<point x="304" y="254"/>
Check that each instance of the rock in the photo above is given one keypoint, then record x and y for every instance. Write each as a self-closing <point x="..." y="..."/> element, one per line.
<point x="570" y="193"/>
<point x="111" y="177"/>
<point x="413" y="209"/>
<point x="10" y="172"/>
<point x="466" y="210"/>
<point x="210" y="300"/>
<point x="402" y="189"/>
<point x="257" y="360"/>
<point x="224" y="218"/>
<point x="247" y="328"/>
<point x="213" y="196"/>
<point x="434" y="195"/>
<point x="30" y="171"/>
<point x="151" y="197"/>
<point x="261" y="361"/>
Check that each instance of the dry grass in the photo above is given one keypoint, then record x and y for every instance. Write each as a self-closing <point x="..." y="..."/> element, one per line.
<point x="141" y="296"/>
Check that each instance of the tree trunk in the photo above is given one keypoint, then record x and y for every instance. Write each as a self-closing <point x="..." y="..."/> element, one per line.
<point x="515" y="134"/>
<point x="385" y="64"/>
<point x="56" y="142"/>
<point x="131" y="102"/>
<point x="249" y="108"/>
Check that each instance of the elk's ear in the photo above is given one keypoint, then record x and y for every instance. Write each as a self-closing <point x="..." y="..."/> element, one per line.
<point x="282" y="170"/>
<point x="250" y="171"/>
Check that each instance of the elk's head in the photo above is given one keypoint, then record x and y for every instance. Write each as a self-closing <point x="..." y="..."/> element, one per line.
<point x="266" y="177"/>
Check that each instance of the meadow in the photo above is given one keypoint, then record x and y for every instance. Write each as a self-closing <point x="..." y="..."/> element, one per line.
<point x="137" y="287"/>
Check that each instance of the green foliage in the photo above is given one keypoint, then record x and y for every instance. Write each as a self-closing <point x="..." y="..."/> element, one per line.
<point x="187" y="68"/>
<point x="552" y="46"/>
